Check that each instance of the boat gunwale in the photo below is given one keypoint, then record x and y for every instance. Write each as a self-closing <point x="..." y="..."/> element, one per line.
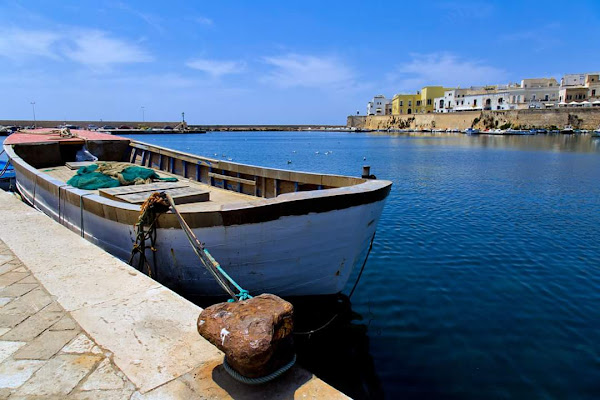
<point x="236" y="213"/>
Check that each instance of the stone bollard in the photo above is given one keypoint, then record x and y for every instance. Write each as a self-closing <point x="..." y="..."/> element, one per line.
<point x="254" y="334"/>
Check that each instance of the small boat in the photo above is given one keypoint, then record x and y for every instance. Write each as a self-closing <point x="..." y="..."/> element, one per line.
<point x="567" y="130"/>
<point x="7" y="175"/>
<point x="274" y="231"/>
<point x="471" y="131"/>
<point x="596" y="133"/>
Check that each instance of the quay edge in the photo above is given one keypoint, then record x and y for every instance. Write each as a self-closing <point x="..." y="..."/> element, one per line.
<point x="150" y="330"/>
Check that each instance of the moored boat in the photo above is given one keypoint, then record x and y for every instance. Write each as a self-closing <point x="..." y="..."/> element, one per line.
<point x="277" y="231"/>
<point x="567" y="130"/>
<point x="471" y="131"/>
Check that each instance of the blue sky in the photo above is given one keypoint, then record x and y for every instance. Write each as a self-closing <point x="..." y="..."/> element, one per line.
<point x="233" y="62"/>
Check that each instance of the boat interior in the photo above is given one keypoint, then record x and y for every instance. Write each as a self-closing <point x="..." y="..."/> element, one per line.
<point x="200" y="179"/>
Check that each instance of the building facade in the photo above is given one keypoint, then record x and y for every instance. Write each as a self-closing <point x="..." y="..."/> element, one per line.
<point x="531" y="93"/>
<point x="380" y="105"/>
<point x="422" y="102"/>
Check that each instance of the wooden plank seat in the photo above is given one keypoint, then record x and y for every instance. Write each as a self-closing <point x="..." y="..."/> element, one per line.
<point x="78" y="164"/>
<point x="232" y="179"/>
<point x="137" y="194"/>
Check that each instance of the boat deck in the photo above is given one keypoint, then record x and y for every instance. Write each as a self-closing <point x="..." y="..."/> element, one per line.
<point x="218" y="196"/>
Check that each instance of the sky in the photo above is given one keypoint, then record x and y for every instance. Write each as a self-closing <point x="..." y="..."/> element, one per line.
<point x="273" y="62"/>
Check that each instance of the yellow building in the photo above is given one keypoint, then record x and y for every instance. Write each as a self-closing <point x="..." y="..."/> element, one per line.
<point x="420" y="103"/>
<point x="404" y="104"/>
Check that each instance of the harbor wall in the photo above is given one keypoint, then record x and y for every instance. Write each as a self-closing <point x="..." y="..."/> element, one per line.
<point x="579" y="118"/>
<point x="160" y="124"/>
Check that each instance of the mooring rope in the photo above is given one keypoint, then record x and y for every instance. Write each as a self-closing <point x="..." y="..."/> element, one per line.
<point x="337" y="314"/>
<point x="207" y="259"/>
<point x="257" y="381"/>
<point x="5" y="167"/>
<point x="151" y="209"/>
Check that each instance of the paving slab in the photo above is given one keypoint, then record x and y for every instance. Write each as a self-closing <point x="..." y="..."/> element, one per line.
<point x="33" y="326"/>
<point x="104" y="395"/>
<point x="14" y="373"/>
<point x="7" y="348"/>
<point x="29" y="303"/>
<point x="12" y="320"/>
<point x="17" y="289"/>
<point x="65" y="324"/>
<point x="81" y="345"/>
<point x="105" y="377"/>
<point x="45" y="346"/>
<point x="59" y="376"/>
<point x="153" y="336"/>
<point x="11" y="277"/>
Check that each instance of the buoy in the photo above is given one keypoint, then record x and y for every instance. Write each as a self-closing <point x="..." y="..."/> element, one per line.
<point x="364" y="158"/>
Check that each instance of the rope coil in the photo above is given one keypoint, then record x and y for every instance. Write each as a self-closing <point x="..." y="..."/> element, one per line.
<point x="258" y="381"/>
<point x="155" y="205"/>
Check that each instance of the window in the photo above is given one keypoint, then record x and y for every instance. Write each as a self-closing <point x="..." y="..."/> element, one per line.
<point x="569" y="97"/>
<point x="500" y="100"/>
<point x="593" y="92"/>
<point x="401" y="103"/>
<point x="474" y="102"/>
<point x="418" y="103"/>
<point x="428" y="102"/>
<point x="410" y="103"/>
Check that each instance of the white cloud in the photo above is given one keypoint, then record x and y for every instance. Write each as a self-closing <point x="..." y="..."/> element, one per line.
<point x="17" y="43"/>
<point x="296" y="70"/>
<point x="216" y="68"/>
<point x="443" y="69"/>
<point x="202" y="20"/>
<point x="152" y="20"/>
<point x="97" y="49"/>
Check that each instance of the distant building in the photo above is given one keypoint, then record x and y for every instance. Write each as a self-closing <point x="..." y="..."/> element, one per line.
<point x="539" y="83"/>
<point x="531" y="93"/>
<point x="462" y="99"/>
<point x="579" y="88"/>
<point x="420" y="103"/>
<point x="379" y="106"/>
<point x="405" y="103"/>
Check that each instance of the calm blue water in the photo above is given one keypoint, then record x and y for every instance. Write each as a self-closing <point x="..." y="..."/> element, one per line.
<point x="484" y="280"/>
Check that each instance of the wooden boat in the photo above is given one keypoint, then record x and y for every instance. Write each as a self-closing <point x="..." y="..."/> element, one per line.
<point x="275" y="231"/>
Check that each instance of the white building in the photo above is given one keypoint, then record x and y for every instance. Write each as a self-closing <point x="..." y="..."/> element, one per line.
<point x="531" y="93"/>
<point x="380" y="105"/>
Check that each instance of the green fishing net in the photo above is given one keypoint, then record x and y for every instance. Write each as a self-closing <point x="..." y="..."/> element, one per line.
<point x="107" y="175"/>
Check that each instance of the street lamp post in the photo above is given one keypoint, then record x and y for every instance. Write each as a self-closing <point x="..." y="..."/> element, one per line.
<point x="33" y="107"/>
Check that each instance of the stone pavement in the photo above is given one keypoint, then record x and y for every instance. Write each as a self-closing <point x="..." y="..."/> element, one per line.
<point x="76" y="322"/>
<point x="43" y="351"/>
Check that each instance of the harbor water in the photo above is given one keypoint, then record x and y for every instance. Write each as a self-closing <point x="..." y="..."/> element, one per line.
<point x="484" y="278"/>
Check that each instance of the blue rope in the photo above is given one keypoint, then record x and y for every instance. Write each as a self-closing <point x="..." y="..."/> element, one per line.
<point x="243" y="294"/>
<point x="257" y="381"/>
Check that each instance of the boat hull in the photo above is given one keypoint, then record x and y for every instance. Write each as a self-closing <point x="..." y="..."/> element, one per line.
<point x="293" y="253"/>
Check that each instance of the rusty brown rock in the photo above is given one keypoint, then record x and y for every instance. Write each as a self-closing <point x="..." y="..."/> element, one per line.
<point x="254" y="334"/>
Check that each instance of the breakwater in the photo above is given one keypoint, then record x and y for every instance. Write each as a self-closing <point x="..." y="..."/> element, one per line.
<point x="579" y="118"/>
<point x="161" y="124"/>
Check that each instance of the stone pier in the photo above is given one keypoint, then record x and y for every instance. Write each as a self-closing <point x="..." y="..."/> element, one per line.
<point x="77" y="323"/>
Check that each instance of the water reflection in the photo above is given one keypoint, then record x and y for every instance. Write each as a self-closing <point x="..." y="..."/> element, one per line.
<point x="550" y="142"/>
